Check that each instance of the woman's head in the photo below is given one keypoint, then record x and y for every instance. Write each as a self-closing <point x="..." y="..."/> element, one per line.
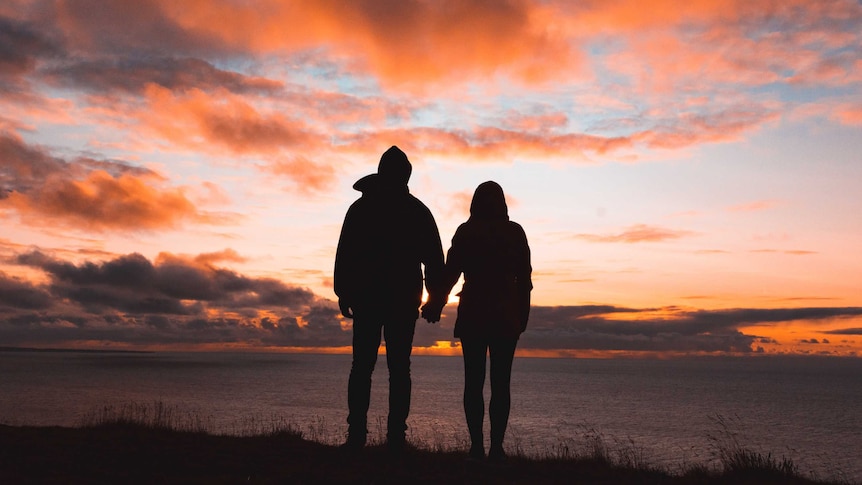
<point x="489" y="203"/>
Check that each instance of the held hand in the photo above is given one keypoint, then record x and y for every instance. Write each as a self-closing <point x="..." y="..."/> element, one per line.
<point x="344" y="306"/>
<point x="431" y="311"/>
<point x="431" y="315"/>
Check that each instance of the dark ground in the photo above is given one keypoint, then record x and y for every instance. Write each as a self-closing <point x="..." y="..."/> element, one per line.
<point x="135" y="454"/>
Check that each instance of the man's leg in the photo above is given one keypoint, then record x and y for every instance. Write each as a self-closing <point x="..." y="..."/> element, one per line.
<point x="366" y="341"/>
<point x="502" y="352"/>
<point x="399" y="345"/>
<point x="475" y="352"/>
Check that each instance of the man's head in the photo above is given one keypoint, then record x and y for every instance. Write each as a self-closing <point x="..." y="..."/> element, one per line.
<point x="394" y="168"/>
<point x="393" y="173"/>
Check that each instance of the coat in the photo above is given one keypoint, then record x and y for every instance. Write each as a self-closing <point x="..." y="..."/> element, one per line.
<point x="494" y="256"/>
<point x="387" y="236"/>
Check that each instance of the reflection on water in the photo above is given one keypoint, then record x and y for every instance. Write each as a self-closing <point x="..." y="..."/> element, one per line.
<point x="803" y="408"/>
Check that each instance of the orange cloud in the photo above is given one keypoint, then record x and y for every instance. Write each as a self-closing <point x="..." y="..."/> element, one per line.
<point x="102" y="201"/>
<point x="219" y="121"/>
<point x="416" y="43"/>
<point x="88" y="193"/>
<point x="306" y="175"/>
<point x="491" y="143"/>
<point x="636" y="234"/>
<point x="214" y="122"/>
<point x="420" y="44"/>
<point x="402" y="42"/>
<point x="225" y="255"/>
<point x="850" y="114"/>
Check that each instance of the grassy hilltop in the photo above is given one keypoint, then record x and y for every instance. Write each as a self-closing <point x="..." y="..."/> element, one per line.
<point x="135" y="452"/>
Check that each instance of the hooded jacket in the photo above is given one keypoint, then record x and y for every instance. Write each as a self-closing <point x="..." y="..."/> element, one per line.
<point x="492" y="253"/>
<point x="387" y="235"/>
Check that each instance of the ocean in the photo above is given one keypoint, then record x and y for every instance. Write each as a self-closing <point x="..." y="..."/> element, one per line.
<point x="665" y="412"/>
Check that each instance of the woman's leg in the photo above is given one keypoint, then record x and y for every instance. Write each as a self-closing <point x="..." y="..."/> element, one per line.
<point x="502" y="353"/>
<point x="474" y="352"/>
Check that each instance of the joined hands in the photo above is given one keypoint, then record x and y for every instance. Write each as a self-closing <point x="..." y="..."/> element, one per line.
<point x="432" y="309"/>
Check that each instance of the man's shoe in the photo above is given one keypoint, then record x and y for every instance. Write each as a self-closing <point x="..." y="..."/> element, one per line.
<point x="353" y="444"/>
<point x="396" y="446"/>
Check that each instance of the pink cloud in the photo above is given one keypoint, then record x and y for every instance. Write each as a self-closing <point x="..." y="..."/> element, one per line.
<point x="693" y="129"/>
<point x="540" y="123"/>
<point x="757" y="205"/>
<point x="792" y="252"/>
<point x="849" y="114"/>
<point x="307" y="176"/>
<point x="636" y="234"/>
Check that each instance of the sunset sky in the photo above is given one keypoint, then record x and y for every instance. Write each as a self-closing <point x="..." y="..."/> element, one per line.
<point x="174" y="175"/>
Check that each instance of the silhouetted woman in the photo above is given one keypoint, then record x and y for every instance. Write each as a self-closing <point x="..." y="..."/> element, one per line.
<point x="493" y="254"/>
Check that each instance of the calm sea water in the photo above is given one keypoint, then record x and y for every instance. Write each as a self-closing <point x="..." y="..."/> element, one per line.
<point x="669" y="411"/>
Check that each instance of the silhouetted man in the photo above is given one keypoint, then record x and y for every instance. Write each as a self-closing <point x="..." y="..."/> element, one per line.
<point x="387" y="236"/>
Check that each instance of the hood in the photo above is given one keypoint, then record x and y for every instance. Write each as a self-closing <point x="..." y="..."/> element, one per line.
<point x="394" y="168"/>
<point x="489" y="203"/>
<point x="367" y="183"/>
<point x="393" y="173"/>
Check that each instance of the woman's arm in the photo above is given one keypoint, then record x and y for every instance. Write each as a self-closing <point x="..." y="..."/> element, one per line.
<point x="523" y="277"/>
<point x="451" y="272"/>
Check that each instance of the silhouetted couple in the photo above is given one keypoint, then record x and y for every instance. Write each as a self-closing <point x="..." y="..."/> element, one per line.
<point x="387" y="236"/>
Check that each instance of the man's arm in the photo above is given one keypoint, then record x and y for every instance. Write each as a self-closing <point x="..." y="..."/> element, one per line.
<point x="451" y="272"/>
<point x="344" y="274"/>
<point x="432" y="259"/>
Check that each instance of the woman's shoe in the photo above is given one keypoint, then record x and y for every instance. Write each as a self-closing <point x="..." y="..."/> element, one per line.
<point x="497" y="455"/>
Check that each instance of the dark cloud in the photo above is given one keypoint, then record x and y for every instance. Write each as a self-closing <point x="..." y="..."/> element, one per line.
<point x="188" y="300"/>
<point x="112" y="55"/>
<point x="137" y="28"/>
<point x="133" y="75"/>
<point x="21" y="167"/>
<point x="753" y="316"/>
<point x="132" y="283"/>
<point x="594" y="327"/>
<point x="845" y="331"/>
<point x="16" y="293"/>
<point x="173" y="299"/>
<point x="22" y="45"/>
<point x="25" y="167"/>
